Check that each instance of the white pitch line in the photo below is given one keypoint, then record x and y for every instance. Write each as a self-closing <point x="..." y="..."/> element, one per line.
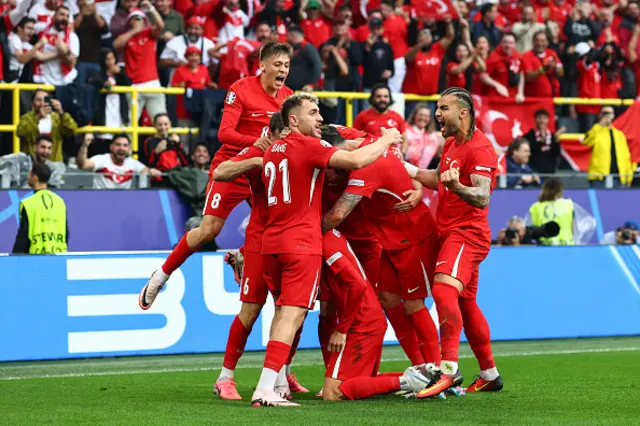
<point x="257" y="365"/>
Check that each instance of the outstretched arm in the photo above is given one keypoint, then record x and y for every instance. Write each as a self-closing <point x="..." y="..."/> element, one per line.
<point x="477" y="195"/>
<point x="229" y="170"/>
<point x="345" y="204"/>
<point x="362" y="157"/>
<point x="428" y="178"/>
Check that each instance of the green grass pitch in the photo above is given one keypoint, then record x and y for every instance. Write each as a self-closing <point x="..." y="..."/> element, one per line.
<point x="580" y="382"/>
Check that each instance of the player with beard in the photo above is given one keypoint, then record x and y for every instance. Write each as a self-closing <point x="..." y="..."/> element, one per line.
<point x="249" y="104"/>
<point x="253" y="284"/>
<point x="292" y="242"/>
<point x="173" y="53"/>
<point x="464" y="181"/>
<point x="409" y="243"/>
<point x="379" y="116"/>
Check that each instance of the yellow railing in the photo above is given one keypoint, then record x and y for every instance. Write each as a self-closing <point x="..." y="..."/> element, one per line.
<point x="136" y="130"/>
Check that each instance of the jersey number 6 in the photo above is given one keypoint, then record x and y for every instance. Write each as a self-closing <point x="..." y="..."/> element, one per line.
<point x="270" y="172"/>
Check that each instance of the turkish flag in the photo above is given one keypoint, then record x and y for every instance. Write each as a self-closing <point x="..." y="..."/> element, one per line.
<point x="502" y="120"/>
<point x="576" y="154"/>
<point x="435" y="9"/>
<point x="629" y="124"/>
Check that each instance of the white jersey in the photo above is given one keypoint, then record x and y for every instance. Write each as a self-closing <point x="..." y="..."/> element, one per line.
<point x="17" y="45"/>
<point x="42" y="15"/>
<point x="51" y="70"/>
<point x="114" y="176"/>
<point x="176" y="47"/>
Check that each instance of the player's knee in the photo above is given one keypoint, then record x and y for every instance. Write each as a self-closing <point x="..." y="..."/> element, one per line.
<point x="210" y="228"/>
<point x="389" y="300"/>
<point x="411" y="306"/>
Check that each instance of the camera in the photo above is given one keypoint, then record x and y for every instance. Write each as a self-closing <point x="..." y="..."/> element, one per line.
<point x="47" y="100"/>
<point x="531" y="234"/>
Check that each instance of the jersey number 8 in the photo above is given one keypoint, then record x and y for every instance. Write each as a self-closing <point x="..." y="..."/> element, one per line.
<point x="270" y="172"/>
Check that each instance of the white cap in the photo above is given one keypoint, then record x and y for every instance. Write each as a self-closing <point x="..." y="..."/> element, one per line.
<point x="582" y="48"/>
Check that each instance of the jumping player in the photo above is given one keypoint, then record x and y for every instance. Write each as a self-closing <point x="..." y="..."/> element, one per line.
<point x="356" y="343"/>
<point x="409" y="244"/>
<point x="293" y="174"/>
<point x="249" y="104"/>
<point x="465" y="181"/>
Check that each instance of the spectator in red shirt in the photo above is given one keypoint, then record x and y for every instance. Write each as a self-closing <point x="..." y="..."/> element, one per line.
<point x="542" y="69"/>
<point x="466" y="56"/>
<point x="163" y="151"/>
<point x="395" y="31"/>
<point x="588" y="85"/>
<point x="379" y="115"/>
<point x="504" y="74"/>
<point x="192" y="75"/>
<point x="425" y="61"/>
<point x="345" y="14"/>
<point x="315" y="26"/>
<point x="139" y="45"/>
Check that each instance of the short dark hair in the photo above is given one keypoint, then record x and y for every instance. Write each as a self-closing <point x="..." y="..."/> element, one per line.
<point x="296" y="29"/>
<point x="331" y="134"/>
<point x="345" y="6"/>
<point x="41" y="138"/>
<point x="508" y="34"/>
<point x="295" y="101"/>
<point x="201" y="144"/>
<point x="120" y="136"/>
<point x="537" y="33"/>
<point x="24" y="21"/>
<point x="62" y="7"/>
<point x="276" y="124"/>
<point x="379" y="86"/>
<point x="515" y="145"/>
<point x="35" y="93"/>
<point x="160" y="115"/>
<point x="541" y="112"/>
<point x="41" y="171"/>
<point x="387" y="3"/>
<point x="486" y="8"/>
<point x="274" y="49"/>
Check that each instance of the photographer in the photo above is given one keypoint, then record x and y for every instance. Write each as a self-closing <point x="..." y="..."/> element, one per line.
<point x="163" y="151"/>
<point x="627" y="234"/>
<point x="517" y="233"/>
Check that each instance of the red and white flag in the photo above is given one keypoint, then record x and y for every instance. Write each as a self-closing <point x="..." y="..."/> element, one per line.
<point x="435" y="9"/>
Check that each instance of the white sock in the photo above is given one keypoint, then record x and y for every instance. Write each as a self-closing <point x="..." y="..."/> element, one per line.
<point x="449" y="367"/>
<point x="490" y="374"/>
<point x="267" y="379"/>
<point x="288" y="369"/>
<point x="161" y="275"/>
<point x="226" y="373"/>
<point x="282" y="377"/>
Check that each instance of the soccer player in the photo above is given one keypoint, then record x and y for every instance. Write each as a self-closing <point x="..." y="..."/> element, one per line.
<point x="356" y="343"/>
<point x="253" y="285"/>
<point x="293" y="174"/>
<point x="409" y="244"/>
<point x="245" y="120"/>
<point x="464" y="180"/>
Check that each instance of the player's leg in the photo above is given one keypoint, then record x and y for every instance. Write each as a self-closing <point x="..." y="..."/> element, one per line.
<point x="478" y="334"/>
<point x="292" y="380"/>
<point x="391" y="301"/>
<point x="222" y="198"/>
<point x="326" y="325"/>
<point x="368" y="254"/>
<point x="299" y="289"/>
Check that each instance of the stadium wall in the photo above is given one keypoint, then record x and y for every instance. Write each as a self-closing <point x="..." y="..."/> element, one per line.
<point x="154" y="219"/>
<point x="85" y="305"/>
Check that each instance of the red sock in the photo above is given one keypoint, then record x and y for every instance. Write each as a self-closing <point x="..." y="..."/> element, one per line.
<point x="326" y="327"/>
<point x="405" y="333"/>
<point x="446" y="298"/>
<point x="427" y="335"/>
<point x="294" y="345"/>
<point x="277" y="353"/>
<point x="477" y="330"/>
<point x="366" y="387"/>
<point x="390" y="374"/>
<point x="178" y="256"/>
<point x="236" y="342"/>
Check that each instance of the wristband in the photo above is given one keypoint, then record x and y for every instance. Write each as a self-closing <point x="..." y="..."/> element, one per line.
<point x="411" y="169"/>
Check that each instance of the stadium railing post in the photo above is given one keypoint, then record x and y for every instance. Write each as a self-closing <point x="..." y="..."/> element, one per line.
<point x="16" y="117"/>
<point x="134" y="121"/>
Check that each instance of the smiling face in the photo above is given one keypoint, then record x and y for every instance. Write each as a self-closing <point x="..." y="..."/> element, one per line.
<point x="119" y="149"/>
<point x="162" y="125"/>
<point x="381" y="99"/>
<point x="462" y="52"/>
<point x="194" y="32"/>
<point x="43" y="150"/>
<point x="306" y="119"/>
<point x="422" y="118"/>
<point x="522" y="154"/>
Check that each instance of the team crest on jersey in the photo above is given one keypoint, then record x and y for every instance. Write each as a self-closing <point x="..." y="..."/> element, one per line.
<point x="244" y="151"/>
<point x="231" y="98"/>
<point x="325" y="144"/>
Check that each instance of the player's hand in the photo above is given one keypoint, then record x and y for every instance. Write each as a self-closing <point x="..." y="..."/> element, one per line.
<point x="386" y="74"/>
<point x="56" y="105"/>
<point x="175" y="138"/>
<point x="392" y="136"/>
<point x="162" y="145"/>
<point x="414" y="196"/>
<point x="263" y="143"/>
<point x="451" y="179"/>
<point x="87" y="140"/>
<point x="502" y="90"/>
<point x="337" y="341"/>
<point x="285" y="132"/>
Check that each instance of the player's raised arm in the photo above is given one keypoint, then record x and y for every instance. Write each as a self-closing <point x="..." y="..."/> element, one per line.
<point x="428" y="178"/>
<point x="362" y="157"/>
<point x="229" y="170"/>
<point x="340" y="210"/>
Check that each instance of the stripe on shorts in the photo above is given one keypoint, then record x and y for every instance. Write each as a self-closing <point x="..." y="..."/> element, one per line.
<point x="314" y="291"/>
<point x="454" y="271"/>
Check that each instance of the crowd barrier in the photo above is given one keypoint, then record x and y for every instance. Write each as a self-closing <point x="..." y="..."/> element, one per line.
<point x="134" y="130"/>
<point x="154" y="219"/>
<point x="75" y="306"/>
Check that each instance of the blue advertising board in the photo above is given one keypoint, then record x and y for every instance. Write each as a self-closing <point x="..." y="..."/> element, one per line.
<point x="73" y="306"/>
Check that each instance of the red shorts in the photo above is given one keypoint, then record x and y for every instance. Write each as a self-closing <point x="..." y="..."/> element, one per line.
<point x="409" y="272"/>
<point x="254" y="288"/>
<point x="368" y="253"/>
<point x="360" y="357"/>
<point x="222" y="197"/>
<point x="294" y="278"/>
<point x="460" y="258"/>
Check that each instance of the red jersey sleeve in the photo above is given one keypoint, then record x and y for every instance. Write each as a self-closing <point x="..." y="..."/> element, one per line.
<point x="248" y="153"/>
<point x="319" y="153"/>
<point x="178" y="77"/>
<point x="483" y="163"/>
<point x="233" y="108"/>
<point x="364" y="181"/>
